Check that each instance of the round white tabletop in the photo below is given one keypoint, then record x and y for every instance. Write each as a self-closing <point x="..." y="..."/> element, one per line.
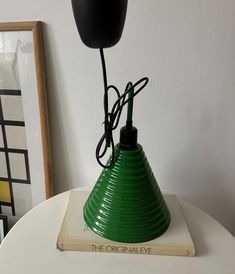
<point x="30" y="248"/>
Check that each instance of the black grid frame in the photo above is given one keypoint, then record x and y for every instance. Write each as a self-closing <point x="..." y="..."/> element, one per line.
<point x="7" y="150"/>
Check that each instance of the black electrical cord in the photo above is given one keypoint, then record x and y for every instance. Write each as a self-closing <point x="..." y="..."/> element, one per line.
<point x="111" y="119"/>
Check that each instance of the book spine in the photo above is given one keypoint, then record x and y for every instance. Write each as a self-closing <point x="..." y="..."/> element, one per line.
<point x="115" y="248"/>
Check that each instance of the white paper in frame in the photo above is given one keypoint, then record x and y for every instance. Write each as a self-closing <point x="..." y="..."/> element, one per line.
<point x="1" y="230"/>
<point x="25" y="163"/>
<point x="3" y="227"/>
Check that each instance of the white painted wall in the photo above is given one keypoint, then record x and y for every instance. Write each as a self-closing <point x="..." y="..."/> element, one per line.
<point x="185" y="116"/>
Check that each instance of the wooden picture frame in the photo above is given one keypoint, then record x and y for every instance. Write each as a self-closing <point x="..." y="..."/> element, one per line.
<point x="3" y="227"/>
<point x="23" y="105"/>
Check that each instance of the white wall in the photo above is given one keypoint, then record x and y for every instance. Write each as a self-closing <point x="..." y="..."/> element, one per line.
<point x="185" y="116"/>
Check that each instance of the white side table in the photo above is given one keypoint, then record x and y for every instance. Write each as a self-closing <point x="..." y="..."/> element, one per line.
<point x="30" y="248"/>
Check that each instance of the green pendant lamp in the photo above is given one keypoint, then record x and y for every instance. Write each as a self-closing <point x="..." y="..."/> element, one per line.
<point x="126" y="204"/>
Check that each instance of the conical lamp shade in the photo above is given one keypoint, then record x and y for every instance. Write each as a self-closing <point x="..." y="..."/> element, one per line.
<point x="126" y="204"/>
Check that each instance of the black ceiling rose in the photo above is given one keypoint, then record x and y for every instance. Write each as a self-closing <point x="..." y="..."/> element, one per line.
<point x="100" y="22"/>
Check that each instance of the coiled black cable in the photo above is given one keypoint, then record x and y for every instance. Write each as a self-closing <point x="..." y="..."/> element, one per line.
<point x="112" y="118"/>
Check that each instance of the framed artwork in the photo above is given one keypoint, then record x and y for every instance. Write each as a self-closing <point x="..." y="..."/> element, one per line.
<point x="25" y="162"/>
<point x="3" y="227"/>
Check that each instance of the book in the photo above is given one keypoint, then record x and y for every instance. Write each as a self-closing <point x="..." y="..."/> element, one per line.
<point x="74" y="235"/>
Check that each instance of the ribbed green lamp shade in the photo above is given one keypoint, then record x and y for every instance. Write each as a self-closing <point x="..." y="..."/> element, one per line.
<point x="126" y="204"/>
